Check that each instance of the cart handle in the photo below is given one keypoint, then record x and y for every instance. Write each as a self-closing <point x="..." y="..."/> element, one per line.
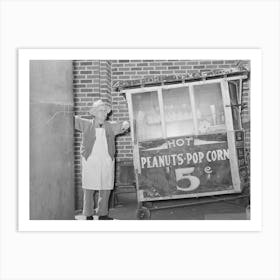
<point x="243" y="106"/>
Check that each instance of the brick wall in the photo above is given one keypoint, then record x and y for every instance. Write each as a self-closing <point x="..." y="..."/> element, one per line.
<point x="93" y="79"/>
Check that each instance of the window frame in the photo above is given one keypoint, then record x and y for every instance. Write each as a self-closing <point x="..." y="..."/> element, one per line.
<point x="159" y="89"/>
<point x="238" y="85"/>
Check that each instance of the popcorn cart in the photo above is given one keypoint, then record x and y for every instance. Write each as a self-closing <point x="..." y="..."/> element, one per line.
<point x="187" y="136"/>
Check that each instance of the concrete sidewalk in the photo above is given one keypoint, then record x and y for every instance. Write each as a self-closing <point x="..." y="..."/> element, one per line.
<point x="126" y="209"/>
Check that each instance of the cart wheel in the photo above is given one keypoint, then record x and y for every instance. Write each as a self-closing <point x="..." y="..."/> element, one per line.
<point x="143" y="213"/>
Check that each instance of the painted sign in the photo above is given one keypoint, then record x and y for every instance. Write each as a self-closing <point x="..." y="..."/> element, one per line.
<point x="184" y="165"/>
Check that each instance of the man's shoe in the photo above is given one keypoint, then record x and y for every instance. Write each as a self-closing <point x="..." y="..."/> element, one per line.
<point x="105" y="218"/>
<point x="89" y="218"/>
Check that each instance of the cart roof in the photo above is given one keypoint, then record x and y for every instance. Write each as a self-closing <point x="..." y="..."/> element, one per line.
<point x="176" y="79"/>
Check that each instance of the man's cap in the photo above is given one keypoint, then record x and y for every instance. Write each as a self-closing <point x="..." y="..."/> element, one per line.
<point x="97" y="105"/>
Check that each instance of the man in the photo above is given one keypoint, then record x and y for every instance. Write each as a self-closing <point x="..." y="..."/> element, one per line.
<point x="98" y="158"/>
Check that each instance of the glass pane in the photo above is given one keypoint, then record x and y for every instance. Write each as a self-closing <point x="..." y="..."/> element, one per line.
<point x="233" y="93"/>
<point x="146" y="113"/>
<point x="209" y="108"/>
<point x="177" y="112"/>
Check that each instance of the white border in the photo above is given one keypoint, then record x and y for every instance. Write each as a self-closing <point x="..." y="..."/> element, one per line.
<point x="25" y="55"/>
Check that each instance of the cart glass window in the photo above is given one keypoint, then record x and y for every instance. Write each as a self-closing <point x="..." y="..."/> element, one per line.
<point x="209" y="108"/>
<point x="177" y="112"/>
<point x="234" y="100"/>
<point x="146" y="113"/>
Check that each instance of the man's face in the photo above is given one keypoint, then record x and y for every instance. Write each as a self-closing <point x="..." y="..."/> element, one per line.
<point x="101" y="114"/>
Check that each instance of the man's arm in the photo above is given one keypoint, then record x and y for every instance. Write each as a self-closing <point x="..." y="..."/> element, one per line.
<point x="119" y="127"/>
<point x="81" y="123"/>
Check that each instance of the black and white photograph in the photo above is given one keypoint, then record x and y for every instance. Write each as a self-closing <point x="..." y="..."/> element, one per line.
<point x="140" y="139"/>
